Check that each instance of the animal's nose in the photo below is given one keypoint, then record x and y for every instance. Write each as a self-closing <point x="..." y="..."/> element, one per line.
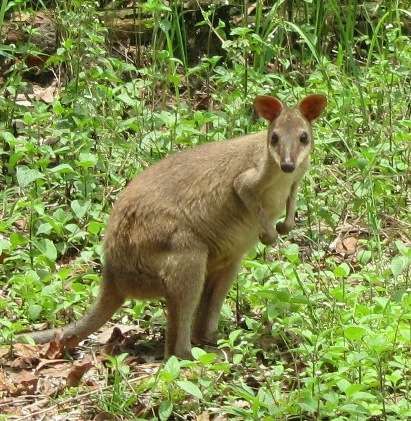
<point x="288" y="166"/>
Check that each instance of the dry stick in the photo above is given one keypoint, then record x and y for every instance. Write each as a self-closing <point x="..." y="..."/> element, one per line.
<point x="21" y="400"/>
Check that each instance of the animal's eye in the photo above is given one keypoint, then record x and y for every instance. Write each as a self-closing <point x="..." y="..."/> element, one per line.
<point x="274" y="138"/>
<point x="304" y="138"/>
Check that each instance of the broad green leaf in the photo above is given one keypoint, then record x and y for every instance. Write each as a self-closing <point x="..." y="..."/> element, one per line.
<point x="202" y="356"/>
<point x="171" y="369"/>
<point x="190" y="388"/>
<point x="94" y="227"/>
<point x="308" y="403"/>
<point x="353" y="388"/>
<point x="87" y="160"/>
<point x="341" y="271"/>
<point x="127" y="100"/>
<point x="352" y="408"/>
<point x="343" y="385"/>
<point x="62" y="169"/>
<point x="34" y="311"/>
<point x="237" y="358"/>
<point x="398" y="265"/>
<point x="17" y="240"/>
<point x="363" y="396"/>
<point x="44" y="229"/>
<point x="26" y="175"/>
<point x="47" y="248"/>
<point x="80" y="207"/>
<point x="364" y="256"/>
<point x="207" y="358"/>
<point x="354" y="333"/>
<point x="197" y="352"/>
<point x="241" y="31"/>
<point x="4" y="244"/>
<point x="165" y="410"/>
<point x="404" y="249"/>
<point x="378" y="343"/>
<point x="234" y="335"/>
<point x="299" y="299"/>
<point x="292" y="253"/>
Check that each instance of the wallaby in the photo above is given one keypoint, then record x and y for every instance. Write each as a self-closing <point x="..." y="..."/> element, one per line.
<point x="180" y="228"/>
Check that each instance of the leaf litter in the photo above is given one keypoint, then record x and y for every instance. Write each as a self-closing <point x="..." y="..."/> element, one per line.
<point x="32" y="375"/>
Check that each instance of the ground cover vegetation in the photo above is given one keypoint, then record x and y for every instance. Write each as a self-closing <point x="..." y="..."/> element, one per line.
<point x="318" y="327"/>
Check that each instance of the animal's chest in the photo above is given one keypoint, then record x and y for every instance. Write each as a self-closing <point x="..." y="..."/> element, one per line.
<point x="274" y="197"/>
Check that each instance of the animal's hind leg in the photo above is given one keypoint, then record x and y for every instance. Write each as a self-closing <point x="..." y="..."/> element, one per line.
<point x="215" y="290"/>
<point x="184" y="278"/>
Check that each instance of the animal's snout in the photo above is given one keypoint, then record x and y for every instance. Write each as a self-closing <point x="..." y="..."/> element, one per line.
<point x="288" y="166"/>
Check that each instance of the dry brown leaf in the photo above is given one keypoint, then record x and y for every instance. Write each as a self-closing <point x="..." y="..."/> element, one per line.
<point x="45" y="94"/>
<point x="104" y="336"/>
<point x="77" y="372"/>
<point x="27" y="356"/>
<point x="24" y="382"/>
<point x="4" y="351"/>
<point x="120" y="343"/>
<point x="21" y="363"/>
<point x="3" y="380"/>
<point x="20" y="224"/>
<point x="57" y="370"/>
<point x="45" y="364"/>
<point x="347" y="246"/>
<point x="114" y="342"/>
<point x="350" y="244"/>
<point x="26" y="351"/>
<point x="54" y="349"/>
<point x="50" y="386"/>
<point x="204" y="416"/>
<point x="21" y="99"/>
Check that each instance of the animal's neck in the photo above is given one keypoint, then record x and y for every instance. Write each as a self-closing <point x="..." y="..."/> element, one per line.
<point x="268" y="169"/>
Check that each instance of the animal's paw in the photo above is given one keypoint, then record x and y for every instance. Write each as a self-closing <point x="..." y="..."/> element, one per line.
<point x="268" y="238"/>
<point x="184" y="354"/>
<point x="284" y="228"/>
<point x="210" y="340"/>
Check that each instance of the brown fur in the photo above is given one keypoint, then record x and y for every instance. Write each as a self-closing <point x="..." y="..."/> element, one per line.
<point x="181" y="227"/>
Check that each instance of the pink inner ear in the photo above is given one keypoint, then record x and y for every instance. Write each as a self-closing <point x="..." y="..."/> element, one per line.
<point x="268" y="107"/>
<point x="312" y="106"/>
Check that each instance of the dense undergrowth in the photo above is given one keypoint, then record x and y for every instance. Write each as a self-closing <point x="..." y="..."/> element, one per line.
<point x="316" y="328"/>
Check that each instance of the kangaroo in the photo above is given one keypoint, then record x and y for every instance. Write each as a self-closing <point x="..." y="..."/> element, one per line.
<point x="180" y="229"/>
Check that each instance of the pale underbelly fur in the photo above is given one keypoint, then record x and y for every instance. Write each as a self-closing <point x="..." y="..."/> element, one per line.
<point x="242" y="236"/>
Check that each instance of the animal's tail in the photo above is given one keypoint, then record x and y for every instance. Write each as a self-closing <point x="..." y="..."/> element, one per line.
<point x="108" y="301"/>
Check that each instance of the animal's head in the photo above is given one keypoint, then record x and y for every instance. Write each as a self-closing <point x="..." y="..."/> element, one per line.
<point x="290" y="138"/>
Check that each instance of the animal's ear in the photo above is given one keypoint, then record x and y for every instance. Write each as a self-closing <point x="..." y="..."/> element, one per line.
<point x="268" y="107"/>
<point x="312" y="106"/>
